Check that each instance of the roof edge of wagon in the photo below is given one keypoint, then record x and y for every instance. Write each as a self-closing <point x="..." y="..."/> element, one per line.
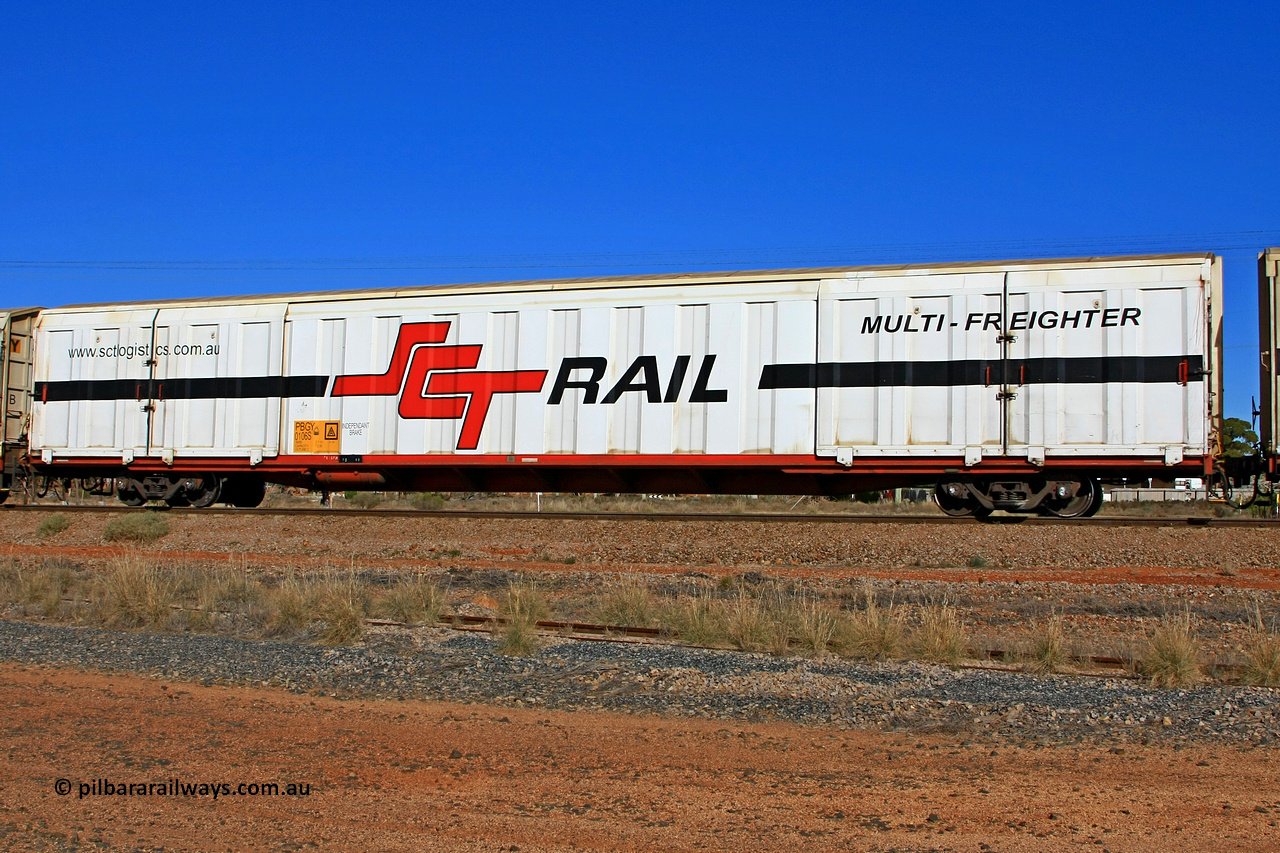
<point x="658" y="280"/>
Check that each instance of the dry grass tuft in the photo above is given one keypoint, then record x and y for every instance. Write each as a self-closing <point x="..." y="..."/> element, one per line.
<point x="814" y="627"/>
<point x="629" y="603"/>
<point x="940" y="635"/>
<point x="699" y="621"/>
<point x="1261" y="654"/>
<point x="341" y="604"/>
<point x="1049" y="649"/>
<point x="427" y="500"/>
<point x="136" y="527"/>
<point x="216" y="594"/>
<point x="363" y="500"/>
<point x="414" y="602"/>
<point x="523" y="606"/>
<point x="9" y="573"/>
<point x="53" y="525"/>
<point x="136" y="594"/>
<point x="290" y="607"/>
<point x="41" y="589"/>
<point x="747" y="625"/>
<point x="1173" y="657"/>
<point x="873" y="633"/>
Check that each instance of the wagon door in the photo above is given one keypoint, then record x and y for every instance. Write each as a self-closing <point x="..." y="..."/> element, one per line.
<point x="1105" y="362"/>
<point x="910" y="366"/>
<point x="219" y="383"/>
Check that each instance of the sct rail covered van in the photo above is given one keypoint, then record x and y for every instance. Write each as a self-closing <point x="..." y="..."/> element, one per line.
<point x="1014" y="385"/>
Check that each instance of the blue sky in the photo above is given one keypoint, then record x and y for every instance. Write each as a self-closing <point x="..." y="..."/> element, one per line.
<point x="154" y="150"/>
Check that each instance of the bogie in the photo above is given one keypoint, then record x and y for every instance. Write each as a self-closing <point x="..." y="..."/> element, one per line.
<point x="1067" y="496"/>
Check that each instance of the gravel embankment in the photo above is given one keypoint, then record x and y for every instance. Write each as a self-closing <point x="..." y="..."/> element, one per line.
<point x="439" y="664"/>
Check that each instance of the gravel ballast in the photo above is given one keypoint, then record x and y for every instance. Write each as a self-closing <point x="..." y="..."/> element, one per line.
<point x="445" y="665"/>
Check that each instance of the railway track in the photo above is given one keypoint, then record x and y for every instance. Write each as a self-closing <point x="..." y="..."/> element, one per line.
<point x="767" y="518"/>
<point x="1107" y="666"/>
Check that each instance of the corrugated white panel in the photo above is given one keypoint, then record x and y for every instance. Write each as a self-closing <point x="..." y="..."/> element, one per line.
<point x="593" y="419"/>
<point x="627" y="344"/>
<point x="736" y="369"/>
<point x="100" y="429"/>
<point x="1163" y="409"/>
<point x="383" y="430"/>
<point x="501" y="352"/>
<point x="52" y="421"/>
<point x="657" y="433"/>
<point x="563" y="342"/>
<point x="1083" y="408"/>
<point x="928" y="409"/>
<point x="314" y="347"/>
<point x="795" y="407"/>
<point x="693" y="336"/>
<point x="366" y="349"/>
<point x="759" y="348"/>
<point x="153" y="436"/>
<point x="253" y="350"/>
<point x="196" y="420"/>
<point x="531" y="409"/>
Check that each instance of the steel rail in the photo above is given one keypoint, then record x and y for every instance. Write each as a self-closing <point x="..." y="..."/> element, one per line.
<point x="996" y="658"/>
<point x="754" y="517"/>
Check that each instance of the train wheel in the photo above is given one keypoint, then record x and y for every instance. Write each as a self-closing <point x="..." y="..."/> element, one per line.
<point x="1080" y="505"/>
<point x="1097" y="501"/>
<point x="208" y="493"/>
<point x="128" y="494"/>
<point x="958" y="507"/>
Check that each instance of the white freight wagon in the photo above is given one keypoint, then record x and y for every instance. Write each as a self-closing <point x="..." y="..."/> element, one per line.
<point x="1009" y="385"/>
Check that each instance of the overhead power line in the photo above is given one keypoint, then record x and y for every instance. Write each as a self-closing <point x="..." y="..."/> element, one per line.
<point x="1221" y="241"/>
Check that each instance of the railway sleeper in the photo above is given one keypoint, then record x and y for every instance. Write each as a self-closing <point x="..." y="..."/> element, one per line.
<point x="1064" y="497"/>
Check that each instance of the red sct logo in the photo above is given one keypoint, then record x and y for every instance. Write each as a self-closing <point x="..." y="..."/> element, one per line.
<point x="439" y="381"/>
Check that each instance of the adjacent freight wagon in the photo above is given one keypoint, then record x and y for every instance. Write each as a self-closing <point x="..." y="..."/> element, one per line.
<point x="1015" y="386"/>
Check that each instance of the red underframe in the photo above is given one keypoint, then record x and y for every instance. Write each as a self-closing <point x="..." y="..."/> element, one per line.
<point x="689" y="474"/>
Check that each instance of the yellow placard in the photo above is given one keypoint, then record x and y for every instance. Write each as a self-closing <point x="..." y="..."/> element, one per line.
<point x="315" y="436"/>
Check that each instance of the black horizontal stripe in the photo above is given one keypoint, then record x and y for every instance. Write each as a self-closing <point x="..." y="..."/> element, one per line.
<point x="207" y="388"/>
<point x="1015" y="371"/>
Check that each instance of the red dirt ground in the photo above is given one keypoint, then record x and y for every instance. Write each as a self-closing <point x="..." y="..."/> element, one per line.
<point x="1246" y="578"/>
<point x="382" y="777"/>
